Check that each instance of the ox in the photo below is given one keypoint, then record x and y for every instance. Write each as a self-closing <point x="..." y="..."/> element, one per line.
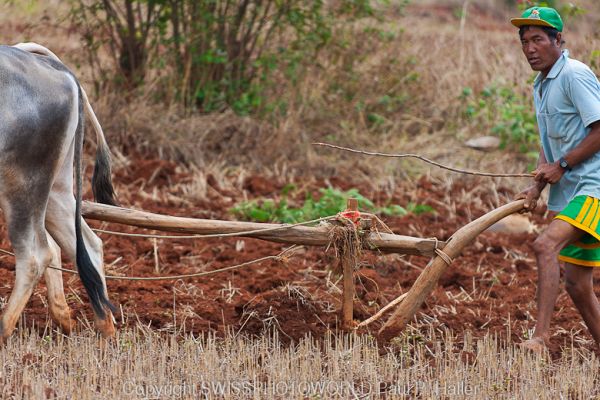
<point x="41" y="139"/>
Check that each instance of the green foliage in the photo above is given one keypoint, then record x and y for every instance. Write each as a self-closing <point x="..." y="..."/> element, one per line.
<point x="565" y="9"/>
<point x="523" y="5"/>
<point x="594" y="57"/>
<point x="509" y="116"/>
<point x="330" y="202"/>
<point x="210" y="54"/>
<point x="418" y="209"/>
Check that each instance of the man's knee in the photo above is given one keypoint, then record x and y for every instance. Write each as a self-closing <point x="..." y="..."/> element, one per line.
<point x="545" y="245"/>
<point x="578" y="288"/>
<point x="558" y="234"/>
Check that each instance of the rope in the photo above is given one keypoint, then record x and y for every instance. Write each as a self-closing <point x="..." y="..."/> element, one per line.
<point x="378" y="220"/>
<point x="216" y="235"/>
<point x="462" y="171"/>
<point x="447" y="259"/>
<point x="281" y="256"/>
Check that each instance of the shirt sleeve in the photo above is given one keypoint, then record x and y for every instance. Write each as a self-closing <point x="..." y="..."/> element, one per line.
<point x="585" y="94"/>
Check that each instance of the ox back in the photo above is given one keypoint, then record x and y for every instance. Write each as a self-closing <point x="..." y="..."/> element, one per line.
<point x="41" y="130"/>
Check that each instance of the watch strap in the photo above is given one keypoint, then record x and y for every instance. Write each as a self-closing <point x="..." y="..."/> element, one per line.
<point x="564" y="164"/>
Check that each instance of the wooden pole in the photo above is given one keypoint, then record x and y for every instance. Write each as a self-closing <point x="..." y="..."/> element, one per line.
<point x="348" y="281"/>
<point x="348" y="300"/>
<point x="352" y="205"/>
<point x="302" y="235"/>
<point x="431" y="274"/>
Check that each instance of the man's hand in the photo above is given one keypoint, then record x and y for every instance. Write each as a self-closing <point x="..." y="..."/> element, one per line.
<point x="531" y="196"/>
<point x="549" y="173"/>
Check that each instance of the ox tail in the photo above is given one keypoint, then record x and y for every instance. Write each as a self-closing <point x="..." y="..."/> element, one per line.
<point x="101" y="178"/>
<point x="91" y="279"/>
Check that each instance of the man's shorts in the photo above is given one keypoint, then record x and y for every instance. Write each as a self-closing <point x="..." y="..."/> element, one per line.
<point x="583" y="212"/>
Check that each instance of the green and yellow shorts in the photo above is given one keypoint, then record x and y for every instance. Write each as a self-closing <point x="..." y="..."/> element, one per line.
<point x="583" y="212"/>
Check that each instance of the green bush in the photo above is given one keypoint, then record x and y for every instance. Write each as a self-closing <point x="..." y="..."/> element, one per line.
<point x="507" y="114"/>
<point x="209" y="54"/>
<point x="331" y="202"/>
<point x="566" y="9"/>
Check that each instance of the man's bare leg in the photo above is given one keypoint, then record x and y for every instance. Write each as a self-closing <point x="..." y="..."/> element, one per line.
<point x="546" y="247"/>
<point x="580" y="286"/>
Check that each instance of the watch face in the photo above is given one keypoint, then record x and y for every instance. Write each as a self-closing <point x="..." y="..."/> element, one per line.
<point x="563" y="164"/>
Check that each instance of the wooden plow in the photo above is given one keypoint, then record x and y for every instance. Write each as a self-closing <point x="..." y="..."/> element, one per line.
<point x="364" y="237"/>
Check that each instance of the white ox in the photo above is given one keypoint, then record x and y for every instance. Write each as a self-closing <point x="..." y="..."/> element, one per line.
<point x="41" y="138"/>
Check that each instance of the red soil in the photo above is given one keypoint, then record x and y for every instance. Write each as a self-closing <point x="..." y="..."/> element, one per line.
<point x="490" y="288"/>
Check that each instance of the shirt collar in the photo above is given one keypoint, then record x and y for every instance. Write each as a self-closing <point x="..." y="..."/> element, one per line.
<point x="556" y="68"/>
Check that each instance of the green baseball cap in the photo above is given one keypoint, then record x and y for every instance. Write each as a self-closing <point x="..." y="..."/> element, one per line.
<point x="539" y="16"/>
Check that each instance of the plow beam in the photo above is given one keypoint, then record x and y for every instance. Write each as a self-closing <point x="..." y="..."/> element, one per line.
<point x="301" y="235"/>
<point x="431" y="274"/>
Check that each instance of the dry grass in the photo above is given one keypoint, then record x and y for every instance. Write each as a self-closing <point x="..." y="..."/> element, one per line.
<point x="142" y="364"/>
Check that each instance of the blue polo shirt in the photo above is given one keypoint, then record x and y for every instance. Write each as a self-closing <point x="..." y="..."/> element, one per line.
<point x="567" y="102"/>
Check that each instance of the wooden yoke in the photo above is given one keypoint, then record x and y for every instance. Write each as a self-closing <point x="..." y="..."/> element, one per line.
<point x="432" y="273"/>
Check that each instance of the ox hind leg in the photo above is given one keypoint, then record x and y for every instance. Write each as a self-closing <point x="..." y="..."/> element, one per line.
<point x="32" y="251"/>
<point x="57" y="303"/>
<point x="61" y="211"/>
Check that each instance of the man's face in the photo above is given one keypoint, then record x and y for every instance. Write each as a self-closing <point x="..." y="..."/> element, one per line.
<point x="541" y="51"/>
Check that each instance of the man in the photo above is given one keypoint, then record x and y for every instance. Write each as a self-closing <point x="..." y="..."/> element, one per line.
<point x="567" y="105"/>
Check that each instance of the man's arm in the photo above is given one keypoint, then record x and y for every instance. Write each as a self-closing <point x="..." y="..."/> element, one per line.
<point x="533" y="192"/>
<point x="590" y="145"/>
<point x="541" y="184"/>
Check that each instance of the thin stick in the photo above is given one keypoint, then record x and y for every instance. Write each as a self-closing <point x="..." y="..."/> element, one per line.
<point x="408" y="155"/>
<point x="383" y="310"/>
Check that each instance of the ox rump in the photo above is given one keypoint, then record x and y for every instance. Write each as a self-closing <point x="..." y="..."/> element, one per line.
<point x="41" y="139"/>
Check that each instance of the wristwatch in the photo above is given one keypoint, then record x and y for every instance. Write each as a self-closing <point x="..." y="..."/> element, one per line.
<point x="564" y="164"/>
